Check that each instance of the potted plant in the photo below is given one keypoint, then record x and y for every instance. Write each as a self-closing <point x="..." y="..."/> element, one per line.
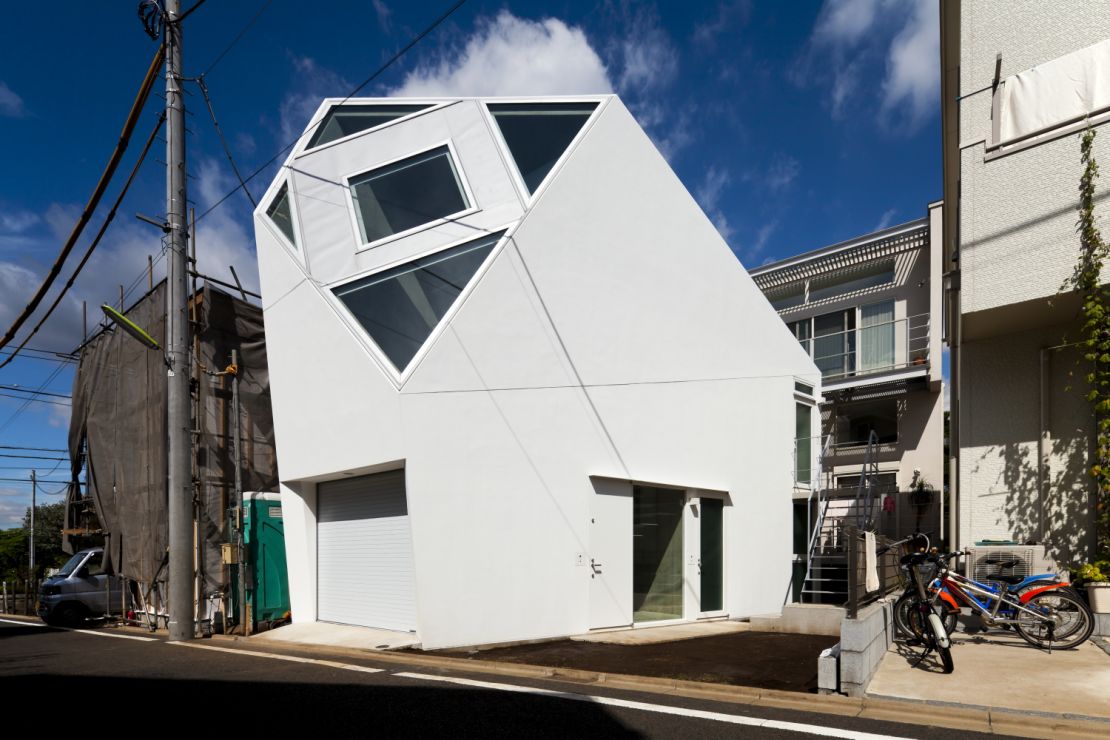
<point x="1096" y="576"/>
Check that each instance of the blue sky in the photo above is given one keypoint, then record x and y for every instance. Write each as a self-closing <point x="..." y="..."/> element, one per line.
<point x="795" y="125"/>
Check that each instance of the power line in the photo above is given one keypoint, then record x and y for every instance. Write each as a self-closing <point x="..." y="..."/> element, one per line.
<point x="227" y="150"/>
<point x="21" y="389"/>
<point x="27" y="403"/>
<point x="35" y="400"/>
<point x="94" y="199"/>
<point x="219" y="57"/>
<point x="32" y="457"/>
<point x="96" y="240"/>
<point x="33" y="449"/>
<point x="389" y="63"/>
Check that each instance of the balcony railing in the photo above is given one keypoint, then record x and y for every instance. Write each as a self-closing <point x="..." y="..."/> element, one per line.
<point x="871" y="350"/>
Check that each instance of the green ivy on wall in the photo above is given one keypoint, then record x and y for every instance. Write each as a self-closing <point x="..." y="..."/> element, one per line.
<point x="1095" y="334"/>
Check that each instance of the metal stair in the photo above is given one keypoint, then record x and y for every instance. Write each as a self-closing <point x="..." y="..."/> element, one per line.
<point x="826" y="580"/>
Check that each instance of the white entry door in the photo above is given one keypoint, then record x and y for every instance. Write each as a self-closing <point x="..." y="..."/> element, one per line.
<point x="610" y="557"/>
<point x="364" y="567"/>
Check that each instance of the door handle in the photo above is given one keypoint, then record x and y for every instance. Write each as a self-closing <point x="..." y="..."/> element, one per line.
<point x="596" y="566"/>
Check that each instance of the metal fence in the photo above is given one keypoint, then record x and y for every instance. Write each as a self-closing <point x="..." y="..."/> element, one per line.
<point x="886" y="564"/>
<point x="18" y="597"/>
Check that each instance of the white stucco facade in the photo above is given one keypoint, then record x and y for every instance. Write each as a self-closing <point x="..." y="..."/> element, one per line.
<point x="1019" y="419"/>
<point x="610" y="339"/>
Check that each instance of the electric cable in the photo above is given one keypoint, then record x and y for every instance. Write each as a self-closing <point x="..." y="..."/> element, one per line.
<point x="35" y="400"/>
<point x="219" y="57"/>
<point x="32" y="449"/>
<point x="389" y="63"/>
<point x="227" y="150"/>
<point x="21" y="389"/>
<point x="27" y="403"/>
<point x="94" y="199"/>
<point x="96" y="240"/>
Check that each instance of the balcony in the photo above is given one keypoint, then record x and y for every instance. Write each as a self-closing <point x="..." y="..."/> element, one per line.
<point x="877" y="352"/>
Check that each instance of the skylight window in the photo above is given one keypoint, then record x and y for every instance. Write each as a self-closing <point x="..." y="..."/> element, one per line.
<point x="537" y="134"/>
<point x="401" y="307"/>
<point x="281" y="213"/>
<point x="344" y="120"/>
<point x="406" y="194"/>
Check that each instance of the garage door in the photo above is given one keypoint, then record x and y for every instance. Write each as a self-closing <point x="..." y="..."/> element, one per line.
<point x="364" y="564"/>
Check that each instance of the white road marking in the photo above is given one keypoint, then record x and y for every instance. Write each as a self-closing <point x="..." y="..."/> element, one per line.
<point x="275" y="656"/>
<point x="113" y="634"/>
<point x="97" y="633"/>
<point x="25" y="624"/>
<point x="659" y="708"/>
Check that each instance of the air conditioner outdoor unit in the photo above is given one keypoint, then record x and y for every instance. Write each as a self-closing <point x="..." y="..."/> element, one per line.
<point x="984" y="563"/>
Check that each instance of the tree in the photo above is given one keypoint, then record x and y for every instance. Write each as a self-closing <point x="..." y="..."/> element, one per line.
<point x="49" y="521"/>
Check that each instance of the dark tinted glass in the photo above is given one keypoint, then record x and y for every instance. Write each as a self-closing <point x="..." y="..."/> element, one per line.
<point x="539" y="133"/>
<point x="400" y="307"/>
<point x="344" y="120"/>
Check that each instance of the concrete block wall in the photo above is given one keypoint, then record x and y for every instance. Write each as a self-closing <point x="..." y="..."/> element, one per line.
<point x="1102" y="625"/>
<point x="864" y="642"/>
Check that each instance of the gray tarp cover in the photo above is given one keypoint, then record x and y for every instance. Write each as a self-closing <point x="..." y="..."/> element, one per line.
<point x="119" y="412"/>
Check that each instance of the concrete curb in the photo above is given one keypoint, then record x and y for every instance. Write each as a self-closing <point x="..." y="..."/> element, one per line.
<point x="890" y="709"/>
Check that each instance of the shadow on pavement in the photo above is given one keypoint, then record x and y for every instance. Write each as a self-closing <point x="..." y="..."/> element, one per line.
<point x="281" y="708"/>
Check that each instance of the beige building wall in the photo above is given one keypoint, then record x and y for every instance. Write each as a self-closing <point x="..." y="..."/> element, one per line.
<point x="1016" y="248"/>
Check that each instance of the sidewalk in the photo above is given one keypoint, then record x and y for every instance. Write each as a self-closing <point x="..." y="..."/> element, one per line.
<point x="999" y="670"/>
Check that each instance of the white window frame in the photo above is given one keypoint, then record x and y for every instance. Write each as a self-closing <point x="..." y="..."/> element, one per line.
<point x="460" y="179"/>
<point x="302" y="149"/>
<point x="527" y="198"/>
<point x="296" y="250"/>
<point x="399" y="376"/>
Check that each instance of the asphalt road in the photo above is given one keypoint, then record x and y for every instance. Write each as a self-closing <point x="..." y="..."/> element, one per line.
<point x="106" y="681"/>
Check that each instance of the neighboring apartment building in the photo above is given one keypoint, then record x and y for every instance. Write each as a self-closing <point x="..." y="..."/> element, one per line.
<point x="521" y="386"/>
<point x="1020" y="82"/>
<point x="867" y="311"/>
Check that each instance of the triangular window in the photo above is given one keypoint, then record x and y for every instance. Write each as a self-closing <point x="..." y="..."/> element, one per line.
<point x="344" y="120"/>
<point x="537" y="134"/>
<point x="281" y="213"/>
<point x="400" y="308"/>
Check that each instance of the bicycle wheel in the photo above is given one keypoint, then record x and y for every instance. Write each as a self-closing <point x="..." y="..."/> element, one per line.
<point x="1070" y="620"/>
<point x="922" y="630"/>
<point x="902" y="627"/>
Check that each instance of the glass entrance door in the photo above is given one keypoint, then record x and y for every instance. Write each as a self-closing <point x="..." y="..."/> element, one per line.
<point x="711" y="564"/>
<point x="657" y="553"/>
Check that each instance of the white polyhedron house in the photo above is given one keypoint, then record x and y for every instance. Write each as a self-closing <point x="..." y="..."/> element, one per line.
<point x="521" y="386"/>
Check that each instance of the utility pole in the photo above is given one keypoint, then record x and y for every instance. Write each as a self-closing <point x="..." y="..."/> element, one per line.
<point x="34" y="496"/>
<point x="178" y="421"/>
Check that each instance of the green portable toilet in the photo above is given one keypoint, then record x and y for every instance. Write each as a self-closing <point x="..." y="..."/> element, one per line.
<point x="264" y="535"/>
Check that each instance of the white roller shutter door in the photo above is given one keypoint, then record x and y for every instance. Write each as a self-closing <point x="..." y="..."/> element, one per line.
<point x="364" y="565"/>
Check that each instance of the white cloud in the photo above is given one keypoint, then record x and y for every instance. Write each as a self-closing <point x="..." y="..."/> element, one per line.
<point x="911" y="90"/>
<point x="17" y="222"/>
<point x="900" y="36"/>
<point x="11" y="105"/>
<point x="708" y="193"/>
<point x="513" y="56"/>
<point x="121" y="258"/>
<point x="384" y="16"/>
<point x="759" y="244"/>
<point x="726" y="15"/>
<point x="312" y="84"/>
<point x="13" y="505"/>
<point x="886" y="219"/>
<point x="782" y="172"/>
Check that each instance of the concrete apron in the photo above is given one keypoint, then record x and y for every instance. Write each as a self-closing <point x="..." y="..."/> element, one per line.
<point x="337" y="635"/>
<point x="998" y="670"/>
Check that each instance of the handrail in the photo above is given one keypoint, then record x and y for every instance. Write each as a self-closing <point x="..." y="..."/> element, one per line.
<point x="865" y="515"/>
<point x="822" y="504"/>
<point x="914" y="349"/>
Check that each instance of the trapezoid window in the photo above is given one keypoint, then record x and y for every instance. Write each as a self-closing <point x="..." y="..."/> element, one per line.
<point x="344" y="120"/>
<point x="537" y="134"/>
<point x="400" y="307"/>
<point x="281" y="213"/>
<point x="406" y="194"/>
